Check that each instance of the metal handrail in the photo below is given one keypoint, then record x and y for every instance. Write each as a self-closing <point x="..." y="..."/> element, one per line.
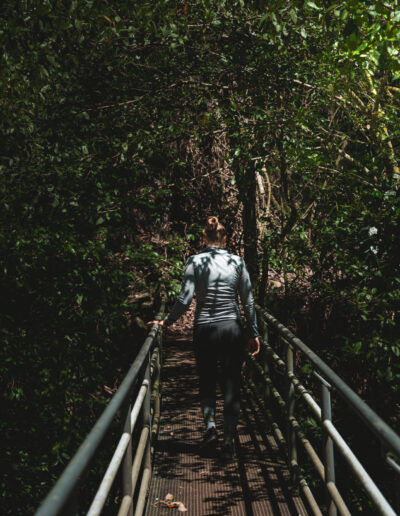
<point x="332" y="438"/>
<point x="62" y="499"/>
<point x="381" y="429"/>
<point x="144" y="378"/>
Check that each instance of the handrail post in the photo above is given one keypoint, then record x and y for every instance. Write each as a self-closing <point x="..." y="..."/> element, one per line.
<point x="329" y="458"/>
<point x="267" y="390"/>
<point x="396" y="480"/>
<point x="156" y="392"/>
<point x="290" y="404"/>
<point x="127" y="462"/>
<point x="146" y="422"/>
<point x="147" y="411"/>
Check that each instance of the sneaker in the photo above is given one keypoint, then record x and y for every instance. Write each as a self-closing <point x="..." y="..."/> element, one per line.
<point x="210" y="438"/>
<point x="227" y="451"/>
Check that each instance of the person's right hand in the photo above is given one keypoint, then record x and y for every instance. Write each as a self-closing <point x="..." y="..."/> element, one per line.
<point x="150" y="323"/>
<point x="254" y="346"/>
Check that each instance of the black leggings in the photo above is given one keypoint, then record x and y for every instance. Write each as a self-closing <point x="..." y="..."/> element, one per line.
<point x="221" y="342"/>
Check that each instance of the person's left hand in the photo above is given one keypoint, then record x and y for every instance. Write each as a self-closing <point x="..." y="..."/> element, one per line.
<point x="160" y="323"/>
<point x="254" y="346"/>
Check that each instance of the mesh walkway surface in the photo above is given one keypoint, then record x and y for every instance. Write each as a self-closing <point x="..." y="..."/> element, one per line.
<point x="255" y="483"/>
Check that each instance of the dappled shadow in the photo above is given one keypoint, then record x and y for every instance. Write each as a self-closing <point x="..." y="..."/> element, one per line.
<point x="249" y="485"/>
<point x="217" y="277"/>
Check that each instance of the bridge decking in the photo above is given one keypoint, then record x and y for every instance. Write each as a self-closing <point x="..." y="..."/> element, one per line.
<point x="256" y="483"/>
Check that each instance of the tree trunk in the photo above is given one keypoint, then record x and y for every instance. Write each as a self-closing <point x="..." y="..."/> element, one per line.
<point x="264" y="276"/>
<point x="247" y="184"/>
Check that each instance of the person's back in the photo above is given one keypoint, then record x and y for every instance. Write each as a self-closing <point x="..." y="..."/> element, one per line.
<point x="216" y="276"/>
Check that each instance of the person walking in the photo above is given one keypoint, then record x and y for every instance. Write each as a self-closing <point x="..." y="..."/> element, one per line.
<point x="218" y="277"/>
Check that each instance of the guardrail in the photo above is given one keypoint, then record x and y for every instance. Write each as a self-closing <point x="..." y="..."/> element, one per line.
<point x="332" y="439"/>
<point x="137" y="403"/>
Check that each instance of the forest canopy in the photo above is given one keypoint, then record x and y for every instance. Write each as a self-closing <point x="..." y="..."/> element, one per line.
<point x="124" y="125"/>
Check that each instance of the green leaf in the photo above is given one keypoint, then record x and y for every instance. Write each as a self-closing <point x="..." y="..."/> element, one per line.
<point x="311" y="4"/>
<point x="263" y="18"/>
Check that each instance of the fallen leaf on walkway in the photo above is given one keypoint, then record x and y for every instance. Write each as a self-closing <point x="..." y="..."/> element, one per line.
<point x="169" y="502"/>
<point x="174" y="505"/>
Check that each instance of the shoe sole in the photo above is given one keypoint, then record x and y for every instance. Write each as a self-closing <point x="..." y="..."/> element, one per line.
<point x="227" y="456"/>
<point x="212" y="443"/>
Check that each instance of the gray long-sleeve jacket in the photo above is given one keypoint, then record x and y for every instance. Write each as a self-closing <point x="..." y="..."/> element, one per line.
<point x="217" y="277"/>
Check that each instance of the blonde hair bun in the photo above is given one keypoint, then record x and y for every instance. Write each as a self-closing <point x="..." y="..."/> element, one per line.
<point x="214" y="231"/>
<point x="212" y="223"/>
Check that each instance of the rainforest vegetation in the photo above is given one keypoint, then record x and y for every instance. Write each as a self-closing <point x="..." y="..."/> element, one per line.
<point x="124" y="125"/>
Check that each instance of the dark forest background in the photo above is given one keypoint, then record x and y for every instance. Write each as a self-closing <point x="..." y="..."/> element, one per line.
<point x="124" y="125"/>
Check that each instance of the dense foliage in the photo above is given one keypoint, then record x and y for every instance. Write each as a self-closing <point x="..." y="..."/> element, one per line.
<point x="123" y="126"/>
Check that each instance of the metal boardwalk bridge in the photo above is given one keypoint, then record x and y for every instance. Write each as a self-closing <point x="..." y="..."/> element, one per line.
<point x="277" y="469"/>
<point x="256" y="482"/>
